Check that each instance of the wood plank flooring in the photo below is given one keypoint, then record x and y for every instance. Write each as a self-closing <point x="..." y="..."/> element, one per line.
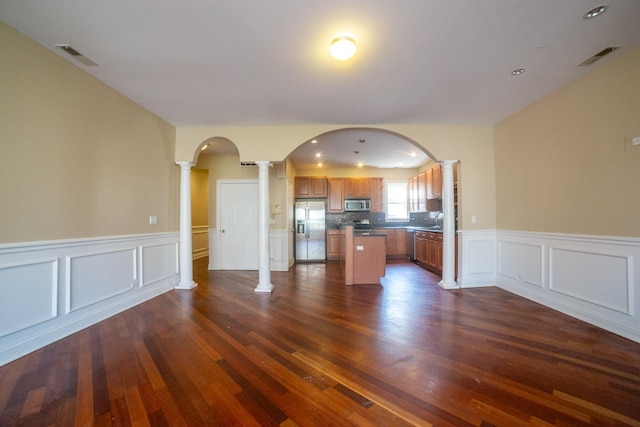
<point x="317" y="353"/>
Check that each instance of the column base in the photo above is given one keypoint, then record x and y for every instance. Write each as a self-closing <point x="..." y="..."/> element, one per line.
<point x="448" y="285"/>
<point x="188" y="285"/>
<point x="264" y="289"/>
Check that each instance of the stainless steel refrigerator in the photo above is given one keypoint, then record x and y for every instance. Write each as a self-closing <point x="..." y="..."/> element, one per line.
<point x="310" y="230"/>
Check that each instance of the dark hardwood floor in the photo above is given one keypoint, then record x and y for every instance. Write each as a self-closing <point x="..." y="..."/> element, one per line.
<point x="317" y="353"/>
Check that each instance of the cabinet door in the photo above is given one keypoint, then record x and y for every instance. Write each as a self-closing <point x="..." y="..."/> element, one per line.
<point x="401" y="242"/>
<point x="303" y="186"/>
<point x="335" y="244"/>
<point x="335" y="199"/>
<point x="436" y="191"/>
<point x="413" y="194"/>
<point x="350" y="187"/>
<point x="318" y="186"/>
<point x="376" y="193"/>
<point x="422" y="191"/>
<point x="432" y="253"/>
<point x="429" y="184"/>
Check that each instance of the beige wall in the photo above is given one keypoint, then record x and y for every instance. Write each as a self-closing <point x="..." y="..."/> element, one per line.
<point x="199" y="197"/>
<point x="566" y="164"/>
<point x="78" y="158"/>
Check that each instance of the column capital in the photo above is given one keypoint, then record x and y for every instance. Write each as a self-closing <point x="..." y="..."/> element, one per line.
<point x="448" y="162"/>
<point x="185" y="164"/>
<point x="263" y="163"/>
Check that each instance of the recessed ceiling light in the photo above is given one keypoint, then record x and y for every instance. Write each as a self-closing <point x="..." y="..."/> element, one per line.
<point x="343" y="48"/>
<point x="313" y="141"/>
<point x="318" y="155"/>
<point x="517" y="72"/>
<point x="596" y="11"/>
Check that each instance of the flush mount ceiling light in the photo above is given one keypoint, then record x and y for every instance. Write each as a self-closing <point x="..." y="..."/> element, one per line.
<point x="343" y="48"/>
<point x="596" y="11"/>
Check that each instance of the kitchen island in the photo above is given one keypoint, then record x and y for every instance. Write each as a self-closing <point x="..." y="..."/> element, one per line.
<point x="365" y="257"/>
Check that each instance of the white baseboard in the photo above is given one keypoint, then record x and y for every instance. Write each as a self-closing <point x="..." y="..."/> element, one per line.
<point x="53" y="289"/>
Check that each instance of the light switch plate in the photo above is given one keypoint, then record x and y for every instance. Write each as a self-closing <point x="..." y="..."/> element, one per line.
<point x="636" y="140"/>
<point x="359" y="248"/>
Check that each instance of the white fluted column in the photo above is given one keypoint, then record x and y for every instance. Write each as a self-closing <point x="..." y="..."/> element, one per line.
<point x="186" y="247"/>
<point x="448" y="227"/>
<point x="264" y="272"/>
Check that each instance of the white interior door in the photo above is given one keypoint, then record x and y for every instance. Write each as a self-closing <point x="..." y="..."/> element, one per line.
<point x="238" y="224"/>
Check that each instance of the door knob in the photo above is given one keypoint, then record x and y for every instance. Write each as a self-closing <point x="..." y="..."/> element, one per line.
<point x="222" y="231"/>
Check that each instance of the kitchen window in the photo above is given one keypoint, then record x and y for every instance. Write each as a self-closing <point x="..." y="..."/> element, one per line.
<point x="397" y="200"/>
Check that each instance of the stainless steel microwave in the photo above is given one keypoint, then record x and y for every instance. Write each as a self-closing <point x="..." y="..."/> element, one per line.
<point x="357" y="205"/>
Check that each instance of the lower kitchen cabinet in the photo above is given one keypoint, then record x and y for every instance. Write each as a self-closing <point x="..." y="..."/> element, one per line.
<point x="335" y="244"/>
<point x="429" y="250"/>
<point x="395" y="241"/>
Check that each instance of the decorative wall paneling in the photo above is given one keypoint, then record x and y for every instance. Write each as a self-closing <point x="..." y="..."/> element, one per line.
<point x="200" y="241"/>
<point x="592" y="278"/>
<point x="53" y="289"/>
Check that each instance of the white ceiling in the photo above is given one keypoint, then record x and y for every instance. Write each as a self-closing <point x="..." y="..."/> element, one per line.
<point x="241" y="62"/>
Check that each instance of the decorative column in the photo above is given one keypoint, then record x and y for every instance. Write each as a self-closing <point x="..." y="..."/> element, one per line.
<point x="186" y="247"/>
<point x="448" y="227"/>
<point x="264" y="272"/>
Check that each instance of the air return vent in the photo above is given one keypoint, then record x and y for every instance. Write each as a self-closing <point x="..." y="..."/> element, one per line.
<point x="76" y="55"/>
<point x="604" y="52"/>
<point x="247" y="164"/>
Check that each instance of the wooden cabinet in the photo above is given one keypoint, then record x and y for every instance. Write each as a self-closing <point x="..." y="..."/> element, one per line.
<point x="434" y="182"/>
<point x="413" y="194"/>
<point x="425" y="189"/>
<point x="341" y="188"/>
<point x="395" y="241"/>
<point x="422" y="191"/>
<point x="335" y="199"/>
<point x="311" y="187"/>
<point x="335" y="244"/>
<point x="429" y="250"/>
<point x="421" y="247"/>
<point x="376" y="194"/>
<point x="356" y="187"/>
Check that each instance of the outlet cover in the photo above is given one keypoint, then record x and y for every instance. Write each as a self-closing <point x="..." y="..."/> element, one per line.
<point x="636" y="140"/>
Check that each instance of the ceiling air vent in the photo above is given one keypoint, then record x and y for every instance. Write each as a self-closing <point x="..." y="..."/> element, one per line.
<point x="76" y="55"/>
<point x="247" y="164"/>
<point x="604" y="52"/>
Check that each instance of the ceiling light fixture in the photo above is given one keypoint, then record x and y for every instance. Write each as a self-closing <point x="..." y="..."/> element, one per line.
<point x="517" y="72"/>
<point x="596" y="11"/>
<point x="343" y="48"/>
<point x="313" y="141"/>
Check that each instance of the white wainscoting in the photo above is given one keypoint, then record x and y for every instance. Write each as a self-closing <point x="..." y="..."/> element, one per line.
<point x="592" y="278"/>
<point x="52" y="289"/>
<point x="200" y="241"/>
<point x="278" y="248"/>
<point x="476" y="258"/>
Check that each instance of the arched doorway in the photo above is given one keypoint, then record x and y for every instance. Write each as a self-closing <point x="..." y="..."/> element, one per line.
<point x="255" y="143"/>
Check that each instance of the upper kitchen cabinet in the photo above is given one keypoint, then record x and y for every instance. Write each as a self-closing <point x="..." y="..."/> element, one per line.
<point x="434" y="182"/>
<point x="376" y="194"/>
<point x="356" y="187"/>
<point x="335" y="201"/>
<point x="422" y="191"/>
<point x="309" y="187"/>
